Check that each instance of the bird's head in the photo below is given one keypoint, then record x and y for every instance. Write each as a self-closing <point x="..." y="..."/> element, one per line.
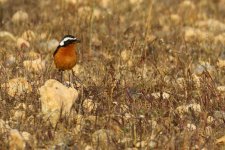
<point x="68" y="39"/>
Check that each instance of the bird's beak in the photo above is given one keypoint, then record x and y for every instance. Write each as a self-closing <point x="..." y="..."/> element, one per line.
<point x="77" y="41"/>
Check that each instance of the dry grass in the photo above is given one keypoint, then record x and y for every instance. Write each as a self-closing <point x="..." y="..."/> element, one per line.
<point x="157" y="55"/>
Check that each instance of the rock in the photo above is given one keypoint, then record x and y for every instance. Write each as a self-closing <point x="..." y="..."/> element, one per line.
<point x="220" y="140"/>
<point x="208" y="131"/>
<point x="73" y="2"/>
<point x="204" y="66"/>
<point x="125" y="55"/>
<point x="175" y="18"/>
<point x="50" y="45"/>
<point x="219" y="115"/>
<point x="221" y="63"/>
<point x="20" y="16"/>
<point x="88" y="147"/>
<point x="141" y="144"/>
<point x="210" y="119"/>
<point x="78" y="69"/>
<point x="3" y="2"/>
<point x="56" y="97"/>
<point x="21" y="43"/>
<point x="4" y="127"/>
<point x="10" y="60"/>
<point x="157" y="95"/>
<point x="88" y="105"/>
<point x="193" y="34"/>
<point x="196" y="108"/>
<point x="220" y="39"/>
<point x="17" y="87"/>
<point x="211" y="25"/>
<point x="32" y="55"/>
<point x="28" y="35"/>
<point x="152" y="144"/>
<point x="188" y="12"/>
<point x="103" y="138"/>
<point x="7" y="36"/>
<point x="221" y="88"/>
<point x="191" y="127"/>
<point x="16" y="140"/>
<point x="19" y="115"/>
<point x="34" y="65"/>
<point x="128" y="142"/>
<point x="30" y="140"/>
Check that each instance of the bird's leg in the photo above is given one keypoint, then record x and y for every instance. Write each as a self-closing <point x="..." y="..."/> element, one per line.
<point x="61" y="71"/>
<point x="73" y="75"/>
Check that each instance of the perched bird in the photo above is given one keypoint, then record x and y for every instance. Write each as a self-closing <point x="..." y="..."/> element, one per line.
<point x="65" y="55"/>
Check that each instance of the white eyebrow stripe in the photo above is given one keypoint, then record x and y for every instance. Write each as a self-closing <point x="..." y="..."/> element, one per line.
<point x="66" y="39"/>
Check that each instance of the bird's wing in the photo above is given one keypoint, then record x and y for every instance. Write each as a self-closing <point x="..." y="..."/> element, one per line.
<point x="56" y="51"/>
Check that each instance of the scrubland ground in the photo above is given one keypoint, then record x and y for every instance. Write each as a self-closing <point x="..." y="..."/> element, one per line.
<point x="152" y="74"/>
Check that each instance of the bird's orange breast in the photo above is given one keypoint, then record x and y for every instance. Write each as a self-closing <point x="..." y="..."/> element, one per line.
<point x="66" y="57"/>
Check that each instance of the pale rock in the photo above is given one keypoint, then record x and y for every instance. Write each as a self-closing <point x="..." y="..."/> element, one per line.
<point x="181" y="82"/>
<point x="195" y="107"/>
<point x="187" y="4"/>
<point x="141" y="144"/>
<point x="33" y="55"/>
<point x="153" y="124"/>
<point x="10" y="60"/>
<point x="16" y="140"/>
<point x="212" y="25"/>
<point x="4" y="127"/>
<point x="191" y="127"/>
<point x="7" y="36"/>
<point x="28" y="35"/>
<point x="220" y="38"/>
<point x="136" y="2"/>
<point x="128" y="116"/>
<point x="97" y="14"/>
<point x="175" y="18"/>
<point x="88" y="105"/>
<point x="186" y="108"/>
<point x="21" y="43"/>
<point x="20" y="106"/>
<point x="50" y="45"/>
<point x="37" y="65"/>
<point x="220" y="140"/>
<point x="219" y="115"/>
<point x="221" y="63"/>
<point x="105" y="3"/>
<point x="157" y="95"/>
<point x="73" y="2"/>
<point x="103" y="137"/>
<point x="208" y="130"/>
<point x="20" y="16"/>
<point x="78" y="69"/>
<point x="88" y="147"/>
<point x="125" y="55"/>
<point x="56" y="97"/>
<point x="210" y="119"/>
<point x="221" y="88"/>
<point x="126" y="141"/>
<point x="152" y="144"/>
<point x="196" y="80"/>
<point x="19" y="115"/>
<point x="17" y="86"/>
<point x="29" y="139"/>
<point x="193" y="34"/>
<point x="3" y="2"/>
<point x="204" y="66"/>
<point x="85" y="10"/>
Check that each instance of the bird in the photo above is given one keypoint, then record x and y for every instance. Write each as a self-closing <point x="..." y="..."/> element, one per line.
<point x="65" y="55"/>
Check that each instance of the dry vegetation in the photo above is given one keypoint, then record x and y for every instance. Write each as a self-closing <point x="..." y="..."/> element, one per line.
<point x="154" y="71"/>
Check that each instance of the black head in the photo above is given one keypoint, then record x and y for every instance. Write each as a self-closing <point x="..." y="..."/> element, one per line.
<point x="68" y="39"/>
